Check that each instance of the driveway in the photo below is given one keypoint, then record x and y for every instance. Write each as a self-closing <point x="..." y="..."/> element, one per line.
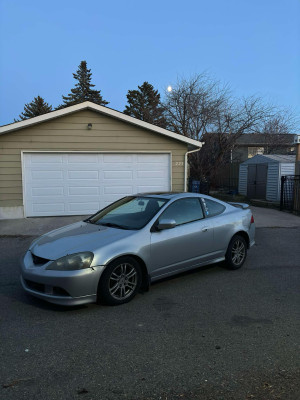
<point x="211" y="334"/>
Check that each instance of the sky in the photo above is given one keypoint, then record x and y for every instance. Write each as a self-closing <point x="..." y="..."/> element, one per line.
<point x="251" y="45"/>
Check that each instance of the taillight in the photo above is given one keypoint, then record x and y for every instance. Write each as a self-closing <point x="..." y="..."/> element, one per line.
<point x="252" y="220"/>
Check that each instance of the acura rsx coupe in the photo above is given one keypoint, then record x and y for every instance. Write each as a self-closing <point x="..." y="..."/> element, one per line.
<point x="139" y="239"/>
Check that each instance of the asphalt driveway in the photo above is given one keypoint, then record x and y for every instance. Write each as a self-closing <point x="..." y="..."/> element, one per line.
<point x="211" y="334"/>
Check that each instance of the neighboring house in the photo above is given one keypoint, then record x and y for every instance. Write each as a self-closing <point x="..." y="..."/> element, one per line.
<point x="77" y="160"/>
<point x="260" y="176"/>
<point x="252" y="144"/>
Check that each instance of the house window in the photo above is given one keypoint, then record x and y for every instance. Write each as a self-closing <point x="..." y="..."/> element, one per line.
<point x="253" y="151"/>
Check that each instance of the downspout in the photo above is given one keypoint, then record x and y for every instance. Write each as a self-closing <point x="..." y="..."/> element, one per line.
<point x="185" y="166"/>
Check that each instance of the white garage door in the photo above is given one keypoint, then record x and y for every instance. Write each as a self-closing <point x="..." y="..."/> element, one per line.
<point x="82" y="183"/>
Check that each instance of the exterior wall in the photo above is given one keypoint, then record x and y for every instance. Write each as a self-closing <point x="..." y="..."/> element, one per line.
<point x="70" y="133"/>
<point x="273" y="179"/>
<point x="243" y="178"/>
<point x="287" y="169"/>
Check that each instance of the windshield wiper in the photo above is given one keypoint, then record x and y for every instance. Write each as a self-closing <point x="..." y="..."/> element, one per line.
<point x="113" y="225"/>
<point x="89" y="221"/>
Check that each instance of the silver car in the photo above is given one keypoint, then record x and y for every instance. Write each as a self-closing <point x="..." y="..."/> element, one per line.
<point x="139" y="239"/>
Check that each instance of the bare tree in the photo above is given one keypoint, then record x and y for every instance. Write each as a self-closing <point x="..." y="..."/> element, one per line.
<point x="190" y="106"/>
<point x="277" y="131"/>
<point x="203" y="109"/>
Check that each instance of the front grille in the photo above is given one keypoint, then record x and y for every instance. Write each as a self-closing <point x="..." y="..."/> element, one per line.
<point x="38" y="260"/>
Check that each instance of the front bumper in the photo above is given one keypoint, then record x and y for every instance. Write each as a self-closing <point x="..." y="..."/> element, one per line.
<point x="60" y="287"/>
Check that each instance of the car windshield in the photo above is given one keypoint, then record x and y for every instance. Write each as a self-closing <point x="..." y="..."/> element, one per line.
<point x="128" y="213"/>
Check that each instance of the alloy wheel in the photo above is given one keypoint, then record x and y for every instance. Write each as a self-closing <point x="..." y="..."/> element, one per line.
<point x="238" y="252"/>
<point x="123" y="281"/>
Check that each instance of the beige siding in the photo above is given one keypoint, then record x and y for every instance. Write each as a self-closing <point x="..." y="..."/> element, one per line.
<point x="70" y="133"/>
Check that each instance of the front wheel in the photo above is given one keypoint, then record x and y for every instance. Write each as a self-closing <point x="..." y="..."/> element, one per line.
<point x="236" y="253"/>
<point x="120" y="281"/>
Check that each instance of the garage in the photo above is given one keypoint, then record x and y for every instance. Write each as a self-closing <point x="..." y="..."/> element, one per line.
<point x="77" y="160"/>
<point x="74" y="184"/>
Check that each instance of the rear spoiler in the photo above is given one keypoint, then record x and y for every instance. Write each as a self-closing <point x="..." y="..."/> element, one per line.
<point x="239" y="205"/>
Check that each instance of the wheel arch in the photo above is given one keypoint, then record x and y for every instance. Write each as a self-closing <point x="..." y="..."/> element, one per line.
<point x="145" y="276"/>
<point x="244" y="235"/>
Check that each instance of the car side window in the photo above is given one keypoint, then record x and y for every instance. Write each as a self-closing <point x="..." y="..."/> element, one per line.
<point x="184" y="211"/>
<point x="212" y="208"/>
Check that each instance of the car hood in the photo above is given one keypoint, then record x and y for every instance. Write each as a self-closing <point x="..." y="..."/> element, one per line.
<point x="74" y="238"/>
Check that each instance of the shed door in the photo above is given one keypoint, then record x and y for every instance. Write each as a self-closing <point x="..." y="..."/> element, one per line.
<point x="83" y="183"/>
<point x="257" y="181"/>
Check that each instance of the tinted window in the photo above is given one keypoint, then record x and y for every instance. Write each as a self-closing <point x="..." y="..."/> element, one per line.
<point x="183" y="211"/>
<point x="212" y="208"/>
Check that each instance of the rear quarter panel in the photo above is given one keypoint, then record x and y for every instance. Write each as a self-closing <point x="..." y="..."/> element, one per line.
<point x="226" y="225"/>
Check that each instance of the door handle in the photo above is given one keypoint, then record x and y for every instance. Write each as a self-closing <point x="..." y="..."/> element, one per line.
<point x="205" y="229"/>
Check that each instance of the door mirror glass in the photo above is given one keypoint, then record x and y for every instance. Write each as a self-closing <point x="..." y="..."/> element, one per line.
<point x="166" y="224"/>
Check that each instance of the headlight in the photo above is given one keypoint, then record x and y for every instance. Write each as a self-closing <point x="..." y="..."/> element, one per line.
<point x="72" y="262"/>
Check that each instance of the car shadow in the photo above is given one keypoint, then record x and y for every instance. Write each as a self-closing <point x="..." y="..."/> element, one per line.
<point x="213" y="268"/>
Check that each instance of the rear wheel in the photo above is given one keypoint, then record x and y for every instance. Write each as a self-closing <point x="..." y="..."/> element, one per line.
<point x="236" y="253"/>
<point x="120" y="281"/>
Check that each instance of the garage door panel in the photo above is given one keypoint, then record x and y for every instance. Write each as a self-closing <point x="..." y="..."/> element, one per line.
<point x="81" y="190"/>
<point x="155" y="158"/>
<point x="83" y="174"/>
<point x="151" y="167"/>
<point x="42" y="175"/>
<point x="57" y="199"/>
<point x="82" y="208"/>
<point x="81" y="184"/>
<point x="46" y="208"/>
<point x="82" y="158"/>
<point x="123" y="190"/>
<point x="154" y="188"/>
<point x="118" y="167"/>
<point x="118" y="158"/>
<point x="150" y="181"/>
<point x="117" y="174"/>
<point x="49" y="191"/>
<point x="152" y="174"/>
<point x="45" y="158"/>
<point x="82" y="199"/>
<point x="82" y="168"/>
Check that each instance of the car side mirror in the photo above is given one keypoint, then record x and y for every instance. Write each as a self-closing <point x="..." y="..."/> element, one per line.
<point x="165" y="224"/>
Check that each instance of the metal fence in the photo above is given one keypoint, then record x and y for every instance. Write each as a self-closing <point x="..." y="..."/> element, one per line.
<point x="290" y="193"/>
<point x="227" y="178"/>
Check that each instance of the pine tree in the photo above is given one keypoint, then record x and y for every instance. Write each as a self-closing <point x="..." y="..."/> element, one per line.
<point x="38" y="106"/>
<point x="83" y="89"/>
<point x="144" y="104"/>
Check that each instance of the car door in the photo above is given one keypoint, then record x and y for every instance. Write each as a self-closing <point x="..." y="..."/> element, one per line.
<point x="186" y="245"/>
<point x="221" y="225"/>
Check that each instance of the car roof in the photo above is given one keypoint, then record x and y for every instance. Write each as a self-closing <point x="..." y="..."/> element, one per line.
<point x="169" y="195"/>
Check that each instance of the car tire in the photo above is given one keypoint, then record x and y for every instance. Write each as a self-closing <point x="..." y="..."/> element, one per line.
<point x="120" y="281"/>
<point x="236" y="253"/>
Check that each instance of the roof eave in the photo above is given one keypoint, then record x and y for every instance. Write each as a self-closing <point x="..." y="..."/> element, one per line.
<point x="103" y="110"/>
